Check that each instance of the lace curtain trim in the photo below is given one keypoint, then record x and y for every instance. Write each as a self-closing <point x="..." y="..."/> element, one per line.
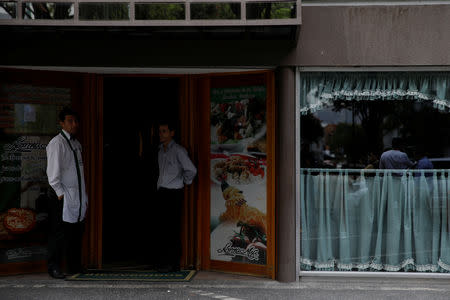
<point x="407" y="264"/>
<point x="326" y="99"/>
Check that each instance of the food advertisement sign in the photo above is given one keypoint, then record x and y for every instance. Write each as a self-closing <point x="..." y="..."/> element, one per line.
<point x="238" y="175"/>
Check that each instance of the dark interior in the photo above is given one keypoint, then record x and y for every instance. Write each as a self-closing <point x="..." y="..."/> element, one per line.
<point x="133" y="107"/>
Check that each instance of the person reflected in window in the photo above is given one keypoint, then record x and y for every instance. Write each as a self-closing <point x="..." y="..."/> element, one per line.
<point x="372" y="161"/>
<point x="395" y="158"/>
<point x="423" y="163"/>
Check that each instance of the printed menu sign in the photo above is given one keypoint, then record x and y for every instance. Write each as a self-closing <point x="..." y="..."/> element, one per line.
<point x="238" y="175"/>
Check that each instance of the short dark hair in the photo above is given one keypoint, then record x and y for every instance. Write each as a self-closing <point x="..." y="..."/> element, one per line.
<point x="170" y="124"/>
<point x="397" y="143"/>
<point x="67" y="111"/>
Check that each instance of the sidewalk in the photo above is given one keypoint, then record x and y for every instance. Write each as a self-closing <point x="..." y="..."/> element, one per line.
<point x="215" y="285"/>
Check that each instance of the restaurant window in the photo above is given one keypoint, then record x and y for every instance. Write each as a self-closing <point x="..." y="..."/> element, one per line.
<point x="362" y="212"/>
<point x="28" y="120"/>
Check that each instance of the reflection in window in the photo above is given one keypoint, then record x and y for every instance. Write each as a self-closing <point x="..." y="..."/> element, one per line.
<point x="103" y="11"/>
<point x="354" y="134"/>
<point x="28" y="121"/>
<point x="47" y="10"/>
<point x="349" y="120"/>
<point x="271" y="10"/>
<point x="159" y="11"/>
<point x="215" y="11"/>
<point x="375" y="167"/>
<point x="7" y="10"/>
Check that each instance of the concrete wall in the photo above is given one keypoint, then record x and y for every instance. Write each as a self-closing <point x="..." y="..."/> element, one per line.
<point x="285" y="176"/>
<point x="373" y="36"/>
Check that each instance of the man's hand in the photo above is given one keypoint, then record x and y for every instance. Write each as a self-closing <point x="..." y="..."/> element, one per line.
<point x="61" y="197"/>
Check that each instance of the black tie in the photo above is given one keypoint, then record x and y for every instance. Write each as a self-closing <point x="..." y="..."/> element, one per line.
<point x="78" y="169"/>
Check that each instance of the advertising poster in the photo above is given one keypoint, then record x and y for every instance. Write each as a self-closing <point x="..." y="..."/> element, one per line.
<point x="238" y="175"/>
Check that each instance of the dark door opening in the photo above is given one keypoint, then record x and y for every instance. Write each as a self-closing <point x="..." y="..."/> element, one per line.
<point x="133" y="107"/>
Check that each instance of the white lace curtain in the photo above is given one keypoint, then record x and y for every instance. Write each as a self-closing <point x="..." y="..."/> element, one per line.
<point x="319" y="89"/>
<point x="375" y="220"/>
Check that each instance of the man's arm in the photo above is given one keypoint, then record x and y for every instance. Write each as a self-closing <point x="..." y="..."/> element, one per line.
<point x="54" y="164"/>
<point x="189" y="170"/>
<point x="407" y="161"/>
<point x="381" y="163"/>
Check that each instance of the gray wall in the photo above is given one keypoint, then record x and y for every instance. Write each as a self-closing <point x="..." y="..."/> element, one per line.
<point x="285" y="176"/>
<point x="373" y="36"/>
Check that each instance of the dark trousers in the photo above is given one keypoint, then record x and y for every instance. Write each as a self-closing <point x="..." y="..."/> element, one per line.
<point x="167" y="226"/>
<point x="56" y="232"/>
<point x="73" y="234"/>
<point x="64" y="239"/>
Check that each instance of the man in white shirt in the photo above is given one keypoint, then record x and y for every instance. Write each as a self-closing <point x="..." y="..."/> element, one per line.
<point x="68" y="198"/>
<point x="175" y="170"/>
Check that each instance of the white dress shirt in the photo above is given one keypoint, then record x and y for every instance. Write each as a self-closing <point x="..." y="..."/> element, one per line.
<point x="63" y="178"/>
<point x="175" y="167"/>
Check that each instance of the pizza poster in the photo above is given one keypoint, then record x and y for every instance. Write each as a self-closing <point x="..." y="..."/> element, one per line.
<point x="238" y="222"/>
<point x="23" y="183"/>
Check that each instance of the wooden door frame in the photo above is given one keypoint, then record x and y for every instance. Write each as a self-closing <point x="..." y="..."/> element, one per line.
<point x="194" y="109"/>
<point x="194" y="112"/>
<point x="201" y="85"/>
<point x="93" y="108"/>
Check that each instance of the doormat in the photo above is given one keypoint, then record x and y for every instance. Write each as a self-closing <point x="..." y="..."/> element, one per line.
<point x="131" y="275"/>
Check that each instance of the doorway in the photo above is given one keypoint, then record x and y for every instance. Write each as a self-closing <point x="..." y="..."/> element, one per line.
<point x="133" y="107"/>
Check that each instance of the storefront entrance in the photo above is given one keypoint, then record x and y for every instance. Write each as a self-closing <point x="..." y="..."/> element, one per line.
<point x="226" y="122"/>
<point x="133" y="106"/>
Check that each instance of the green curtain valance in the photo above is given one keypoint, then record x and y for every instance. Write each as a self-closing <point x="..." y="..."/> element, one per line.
<point x="320" y="89"/>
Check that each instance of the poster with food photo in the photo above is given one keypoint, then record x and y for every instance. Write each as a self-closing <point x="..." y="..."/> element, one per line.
<point x="23" y="186"/>
<point x="238" y="175"/>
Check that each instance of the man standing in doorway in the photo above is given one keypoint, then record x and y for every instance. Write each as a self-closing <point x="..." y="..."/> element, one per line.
<point x="175" y="170"/>
<point x="68" y="198"/>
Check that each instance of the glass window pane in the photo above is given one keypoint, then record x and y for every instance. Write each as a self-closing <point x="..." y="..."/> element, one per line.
<point x="28" y="121"/>
<point x="7" y="10"/>
<point x="361" y="1"/>
<point x="374" y="184"/>
<point x="268" y="10"/>
<point x="103" y="11"/>
<point x="47" y="10"/>
<point x="159" y="11"/>
<point x="215" y="11"/>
